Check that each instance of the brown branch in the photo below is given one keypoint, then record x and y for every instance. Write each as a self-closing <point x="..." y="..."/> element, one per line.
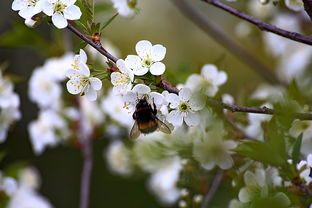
<point x="166" y="85"/>
<point x="95" y="45"/>
<point x="86" y="142"/>
<point x="213" y="189"/>
<point x="226" y="41"/>
<point x="262" y="25"/>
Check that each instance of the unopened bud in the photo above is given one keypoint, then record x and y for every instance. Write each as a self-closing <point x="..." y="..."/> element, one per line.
<point x="32" y="22"/>
<point x="198" y="198"/>
<point x="182" y="204"/>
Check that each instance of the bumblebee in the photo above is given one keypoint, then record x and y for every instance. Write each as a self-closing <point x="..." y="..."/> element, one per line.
<point x="146" y="120"/>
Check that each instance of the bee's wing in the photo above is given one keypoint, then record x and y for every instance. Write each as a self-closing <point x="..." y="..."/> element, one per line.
<point x="135" y="132"/>
<point x="163" y="127"/>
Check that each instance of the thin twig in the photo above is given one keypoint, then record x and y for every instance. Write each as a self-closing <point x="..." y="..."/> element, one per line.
<point x="165" y="84"/>
<point x="226" y="41"/>
<point x="87" y="162"/>
<point x="96" y="46"/>
<point x="213" y="189"/>
<point x="262" y="25"/>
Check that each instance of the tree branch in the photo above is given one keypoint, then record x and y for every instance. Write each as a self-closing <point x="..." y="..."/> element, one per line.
<point x="227" y="42"/>
<point x="166" y="85"/>
<point x="213" y="189"/>
<point x="96" y="46"/>
<point x="87" y="161"/>
<point x="262" y="25"/>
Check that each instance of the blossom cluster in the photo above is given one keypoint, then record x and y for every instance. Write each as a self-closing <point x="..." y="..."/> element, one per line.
<point x="9" y="104"/>
<point x="22" y="191"/>
<point x="59" y="10"/>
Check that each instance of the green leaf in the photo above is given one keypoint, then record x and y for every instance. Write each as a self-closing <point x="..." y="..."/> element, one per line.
<point x="260" y="151"/>
<point x="296" y="149"/>
<point x="108" y="22"/>
<point x="81" y="45"/>
<point x="87" y="17"/>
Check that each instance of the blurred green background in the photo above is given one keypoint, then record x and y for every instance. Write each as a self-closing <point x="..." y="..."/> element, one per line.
<point x="188" y="48"/>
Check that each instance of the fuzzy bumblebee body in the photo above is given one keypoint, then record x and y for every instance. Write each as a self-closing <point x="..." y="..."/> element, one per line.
<point x="146" y="120"/>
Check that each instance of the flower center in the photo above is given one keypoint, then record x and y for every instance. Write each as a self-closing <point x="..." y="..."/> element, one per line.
<point x="122" y="79"/>
<point x="147" y="62"/>
<point x="59" y="7"/>
<point x="184" y="107"/>
<point x="32" y="2"/>
<point x="131" y="3"/>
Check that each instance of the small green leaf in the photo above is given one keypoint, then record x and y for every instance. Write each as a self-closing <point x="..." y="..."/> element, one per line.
<point x="81" y="45"/>
<point x="108" y="22"/>
<point x="296" y="149"/>
<point x="260" y="151"/>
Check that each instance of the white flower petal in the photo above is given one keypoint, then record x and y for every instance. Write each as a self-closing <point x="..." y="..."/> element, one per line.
<point x="173" y="99"/>
<point x="84" y="69"/>
<point x="209" y="71"/>
<point x="140" y="71"/>
<point x="157" y="98"/>
<point x="143" y="48"/>
<point x="121" y="65"/>
<point x="193" y="81"/>
<point x="47" y="8"/>
<point x="74" y="86"/>
<point x="197" y="102"/>
<point x="175" y="117"/>
<point x="73" y="74"/>
<point x="158" y="53"/>
<point x="28" y="12"/>
<point x="225" y="161"/>
<point x="83" y="56"/>
<point x="185" y="94"/>
<point x="141" y="89"/>
<point x="133" y="62"/>
<point x="19" y="5"/>
<point x="72" y="12"/>
<point x="250" y="178"/>
<point x="115" y="78"/>
<point x="157" y="68"/>
<point x="309" y="160"/>
<point x="221" y="79"/>
<point x="130" y="97"/>
<point x="68" y="2"/>
<point x="96" y="83"/>
<point x="244" y="195"/>
<point x="192" y="119"/>
<point x="59" y="21"/>
<point x="90" y="94"/>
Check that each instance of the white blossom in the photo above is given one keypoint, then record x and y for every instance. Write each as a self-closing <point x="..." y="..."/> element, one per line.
<point x="214" y="151"/>
<point x="113" y="105"/>
<point x="295" y="5"/>
<point x="141" y="91"/>
<point x="44" y="89"/>
<point x="27" y="8"/>
<point x="118" y="158"/>
<point x="163" y="181"/>
<point x="149" y="59"/>
<point x="48" y="130"/>
<point x="125" y="8"/>
<point x="61" y="11"/>
<point x="185" y="108"/>
<point x="258" y="185"/>
<point x="304" y="127"/>
<point x="305" y="168"/>
<point x="208" y="81"/>
<point x="122" y="80"/>
<point x="9" y="103"/>
<point x="80" y="80"/>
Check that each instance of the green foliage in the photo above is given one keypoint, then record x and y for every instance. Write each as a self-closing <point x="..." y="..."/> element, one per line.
<point x="22" y="36"/>
<point x="87" y="17"/>
<point x="108" y="22"/>
<point x="296" y="150"/>
<point x="262" y="152"/>
<point x="102" y="7"/>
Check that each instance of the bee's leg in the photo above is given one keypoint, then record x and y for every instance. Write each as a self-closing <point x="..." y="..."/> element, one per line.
<point x="154" y="110"/>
